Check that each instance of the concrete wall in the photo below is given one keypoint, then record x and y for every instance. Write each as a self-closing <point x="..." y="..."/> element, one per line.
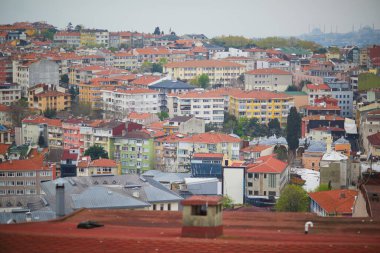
<point x="44" y="71"/>
<point x="233" y="184"/>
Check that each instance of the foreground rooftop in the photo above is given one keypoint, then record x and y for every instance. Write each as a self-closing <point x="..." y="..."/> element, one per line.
<point x="160" y="231"/>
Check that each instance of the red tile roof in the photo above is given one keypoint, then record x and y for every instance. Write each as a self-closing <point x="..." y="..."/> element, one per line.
<point x="145" y="80"/>
<point x="51" y="93"/>
<point x="374" y="139"/>
<point x="69" y="156"/>
<point x="152" y="50"/>
<point x="211" y="138"/>
<point x="136" y="115"/>
<point x="208" y="155"/>
<point x="328" y="129"/>
<point x="335" y="201"/>
<point x="173" y="138"/>
<point x="255" y="148"/>
<point x="42" y="120"/>
<point x="321" y="86"/>
<point x="160" y="231"/>
<point x="203" y="64"/>
<point x="4" y="108"/>
<point x="267" y="164"/>
<point x="77" y="34"/>
<point x="268" y="71"/>
<point x="35" y="163"/>
<point x="102" y="162"/>
<point x="202" y="200"/>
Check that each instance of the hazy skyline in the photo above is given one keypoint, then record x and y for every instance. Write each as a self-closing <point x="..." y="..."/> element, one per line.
<point x="255" y="18"/>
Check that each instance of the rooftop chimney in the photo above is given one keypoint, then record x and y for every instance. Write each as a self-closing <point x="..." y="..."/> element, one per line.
<point x="202" y="217"/>
<point x="60" y="199"/>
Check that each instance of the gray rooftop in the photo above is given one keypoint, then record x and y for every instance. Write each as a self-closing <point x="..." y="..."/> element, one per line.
<point x="124" y="191"/>
<point x="341" y="140"/>
<point x="169" y="84"/>
<point x="167" y="177"/>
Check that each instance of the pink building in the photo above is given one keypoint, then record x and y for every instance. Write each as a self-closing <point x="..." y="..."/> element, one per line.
<point x="71" y="133"/>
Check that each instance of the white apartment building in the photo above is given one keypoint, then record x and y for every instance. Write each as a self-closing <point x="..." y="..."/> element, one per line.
<point x="316" y="91"/>
<point x="267" y="79"/>
<point x="68" y="38"/>
<point x="125" y="101"/>
<point x="273" y="63"/>
<point x="208" y="106"/>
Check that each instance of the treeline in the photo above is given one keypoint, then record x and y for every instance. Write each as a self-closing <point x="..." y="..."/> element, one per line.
<point x="269" y="42"/>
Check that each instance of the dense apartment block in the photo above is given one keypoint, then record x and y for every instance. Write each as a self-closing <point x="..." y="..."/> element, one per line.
<point x="50" y="129"/>
<point x="67" y="38"/>
<point x="43" y="97"/>
<point x="30" y="73"/>
<point x="9" y="93"/>
<point x="23" y="177"/>
<point x="219" y="72"/>
<point x="267" y="79"/>
<point x="123" y="101"/>
<point x="206" y="105"/>
<point x="263" y="105"/>
<point x="266" y="177"/>
<point x="134" y="151"/>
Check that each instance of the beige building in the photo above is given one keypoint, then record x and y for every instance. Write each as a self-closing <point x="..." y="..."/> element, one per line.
<point x="219" y="72"/>
<point x="267" y="79"/>
<point x="100" y="166"/>
<point x="266" y="177"/>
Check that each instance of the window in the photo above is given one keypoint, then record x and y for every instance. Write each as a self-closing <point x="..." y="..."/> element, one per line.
<point x="256" y="175"/>
<point x="265" y="175"/>
<point x="265" y="193"/>
<point x="19" y="174"/>
<point x="250" y="184"/>
<point x="272" y="181"/>
<point x="154" y="207"/>
<point x="161" y="207"/>
<point x="200" y="210"/>
<point x="2" y="174"/>
<point x="169" y="207"/>
<point x="256" y="193"/>
<point x="11" y="174"/>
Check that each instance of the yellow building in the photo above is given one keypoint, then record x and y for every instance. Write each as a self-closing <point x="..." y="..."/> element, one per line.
<point x="263" y="105"/>
<point x="92" y="94"/>
<point x="332" y="55"/>
<point x="219" y="72"/>
<point x="87" y="38"/>
<point x="41" y="97"/>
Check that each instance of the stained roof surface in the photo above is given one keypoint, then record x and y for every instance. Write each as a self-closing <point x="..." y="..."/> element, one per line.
<point x="160" y="231"/>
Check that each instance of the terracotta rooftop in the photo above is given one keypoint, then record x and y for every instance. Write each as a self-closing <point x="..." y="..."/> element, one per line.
<point x="321" y="86"/>
<point x="202" y="200"/>
<point x="160" y="231"/>
<point x="145" y="80"/>
<point x="42" y="120"/>
<point x="102" y="162"/>
<point x="211" y="138"/>
<point x="322" y="117"/>
<point x="267" y="164"/>
<point x="335" y="201"/>
<point x="255" y="148"/>
<point x="4" y="148"/>
<point x="260" y="94"/>
<point x="374" y="139"/>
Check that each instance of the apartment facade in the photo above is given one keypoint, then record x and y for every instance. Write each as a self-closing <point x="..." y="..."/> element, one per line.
<point x="134" y="151"/>
<point x="124" y="101"/>
<point x="266" y="177"/>
<point x="29" y="74"/>
<point x="263" y="105"/>
<point x="267" y="79"/>
<point x="67" y="38"/>
<point x="219" y="72"/>
<point x="9" y="93"/>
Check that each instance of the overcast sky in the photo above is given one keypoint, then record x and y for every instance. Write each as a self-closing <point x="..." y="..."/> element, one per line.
<point x="251" y="18"/>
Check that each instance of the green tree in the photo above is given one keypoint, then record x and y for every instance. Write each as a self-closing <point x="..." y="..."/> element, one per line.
<point x="48" y="34"/>
<point x="96" y="152"/>
<point x="50" y="113"/>
<point x="65" y="79"/>
<point x="292" y="88"/>
<point x="293" y="132"/>
<point x="281" y="154"/>
<point x="203" y="81"/>
<point x="73" y="92"/>
<point x="18" y="111"/>
<point x="78" y="28"/>
<point x="293" y="199"/>
<point x="81" y="109"/>
<point x="69" y="26"/>
<point x="274" y="127"/>
<point x="211" y="127"/>
<point x="163" y="115"/>
<point x="157" y="68"/>
<point x="146" y="67"/>
<point x="41" y="141"/>
<point x="157" y="31"/>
